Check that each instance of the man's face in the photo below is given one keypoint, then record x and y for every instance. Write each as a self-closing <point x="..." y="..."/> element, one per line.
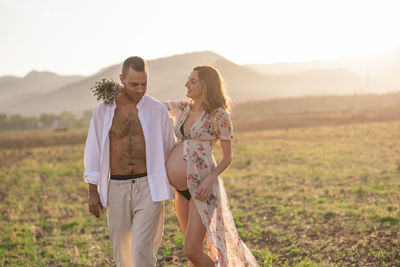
<point x="134" y="84"/>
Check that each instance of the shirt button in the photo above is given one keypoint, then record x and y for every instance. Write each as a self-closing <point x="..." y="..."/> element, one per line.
<point x="133" y="181"/>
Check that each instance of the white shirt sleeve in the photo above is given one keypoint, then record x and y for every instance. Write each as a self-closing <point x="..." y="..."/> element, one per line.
<point x="168" y="134"/>
<point x="91" y="157"/>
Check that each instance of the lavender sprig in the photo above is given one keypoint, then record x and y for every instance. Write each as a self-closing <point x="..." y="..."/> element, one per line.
<point x="106" y="90"/>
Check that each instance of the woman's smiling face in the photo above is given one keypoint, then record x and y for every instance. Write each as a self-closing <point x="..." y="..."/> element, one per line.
<point x="194" y="86"/>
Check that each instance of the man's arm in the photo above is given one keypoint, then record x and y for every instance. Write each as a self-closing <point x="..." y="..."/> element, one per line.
<point x="95" y="205"/>
<point x="92" y="163"/>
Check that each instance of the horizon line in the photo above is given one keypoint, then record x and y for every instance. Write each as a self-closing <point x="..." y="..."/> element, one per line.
<point x="203" y="51"/>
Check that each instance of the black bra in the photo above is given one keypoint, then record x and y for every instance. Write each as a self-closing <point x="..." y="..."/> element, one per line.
<point x="182" y="132"/>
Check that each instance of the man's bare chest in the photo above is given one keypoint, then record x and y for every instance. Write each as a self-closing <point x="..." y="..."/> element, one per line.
<point x="125" y="125"/>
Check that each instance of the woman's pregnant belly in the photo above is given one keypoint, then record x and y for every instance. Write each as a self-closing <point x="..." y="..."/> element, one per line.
<point x="177" y="168"/>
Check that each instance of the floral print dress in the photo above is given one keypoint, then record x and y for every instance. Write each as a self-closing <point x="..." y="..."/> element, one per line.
<point x="223" y="242"/>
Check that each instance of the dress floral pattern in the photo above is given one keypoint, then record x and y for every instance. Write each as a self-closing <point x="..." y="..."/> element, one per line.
<point x="223" y="242"/>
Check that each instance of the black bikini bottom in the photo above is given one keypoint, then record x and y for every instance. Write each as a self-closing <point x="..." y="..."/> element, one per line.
<point x="185" y="193"/>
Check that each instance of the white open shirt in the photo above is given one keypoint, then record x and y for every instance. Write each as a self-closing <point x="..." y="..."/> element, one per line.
<point x="159" y="140"/>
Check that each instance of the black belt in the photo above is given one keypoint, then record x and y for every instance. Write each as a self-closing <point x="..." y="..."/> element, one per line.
<point x="127" y="177"/>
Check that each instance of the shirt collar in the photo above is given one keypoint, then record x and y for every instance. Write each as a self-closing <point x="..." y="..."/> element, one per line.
<point x="141" y="102"/>
<point x="138" y="105"/>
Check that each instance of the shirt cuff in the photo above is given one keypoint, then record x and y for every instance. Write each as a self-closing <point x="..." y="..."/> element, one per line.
<point x="91" y="178"/>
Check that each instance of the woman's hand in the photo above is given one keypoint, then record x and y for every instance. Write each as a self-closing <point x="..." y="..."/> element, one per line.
<point x="204" y="190"/>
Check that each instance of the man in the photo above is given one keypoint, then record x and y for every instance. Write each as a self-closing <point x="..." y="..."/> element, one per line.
<point x="124" y="159"/>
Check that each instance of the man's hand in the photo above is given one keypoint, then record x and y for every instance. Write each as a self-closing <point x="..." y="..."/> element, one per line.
<point x="94" y="201"/>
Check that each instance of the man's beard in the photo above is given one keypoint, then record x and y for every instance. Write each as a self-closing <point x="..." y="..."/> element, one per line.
<point x="131" y="98"/>
<point x="134" y="98"/>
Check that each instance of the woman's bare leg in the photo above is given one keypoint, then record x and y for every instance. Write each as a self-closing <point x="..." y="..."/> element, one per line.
<point x="181" y="205"/>
<point x="194" y="237"/>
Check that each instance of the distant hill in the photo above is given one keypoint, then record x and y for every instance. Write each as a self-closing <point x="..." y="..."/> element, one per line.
<point x="381" y="67"/>
<point x="34" y="82"/>
<point x="167" y="77"/>
<point x="291" y="67"/>
<point x="166" y="81"/>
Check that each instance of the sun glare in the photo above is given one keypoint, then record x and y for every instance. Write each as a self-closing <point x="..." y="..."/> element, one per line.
<point x="245" y="32"/>
<point x="288" y="31"/>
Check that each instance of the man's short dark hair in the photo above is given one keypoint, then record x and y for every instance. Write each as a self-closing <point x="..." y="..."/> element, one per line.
<point x="136" y="63"/>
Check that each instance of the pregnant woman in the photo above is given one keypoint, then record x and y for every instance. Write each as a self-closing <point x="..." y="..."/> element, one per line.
<point x="201" y="202"/>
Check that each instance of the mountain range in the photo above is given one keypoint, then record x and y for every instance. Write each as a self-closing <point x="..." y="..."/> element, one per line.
<point x="383" y="66"/>
<point x="44" y="92"/>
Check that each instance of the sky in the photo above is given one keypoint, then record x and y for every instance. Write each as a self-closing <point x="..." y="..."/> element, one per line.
<point x="71" y="37"/>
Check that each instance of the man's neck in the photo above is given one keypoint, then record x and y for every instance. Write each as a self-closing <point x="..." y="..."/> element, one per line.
<point x="122" y="100"/>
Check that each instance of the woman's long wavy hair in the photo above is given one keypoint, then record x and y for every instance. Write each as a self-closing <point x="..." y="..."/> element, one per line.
<point x="214" y="94"/>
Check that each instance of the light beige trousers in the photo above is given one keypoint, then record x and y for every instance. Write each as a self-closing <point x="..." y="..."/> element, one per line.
<point x="135" y="223"/>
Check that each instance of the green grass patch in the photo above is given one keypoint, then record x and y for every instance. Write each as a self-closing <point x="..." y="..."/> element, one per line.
<point x="319" y="196"/>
